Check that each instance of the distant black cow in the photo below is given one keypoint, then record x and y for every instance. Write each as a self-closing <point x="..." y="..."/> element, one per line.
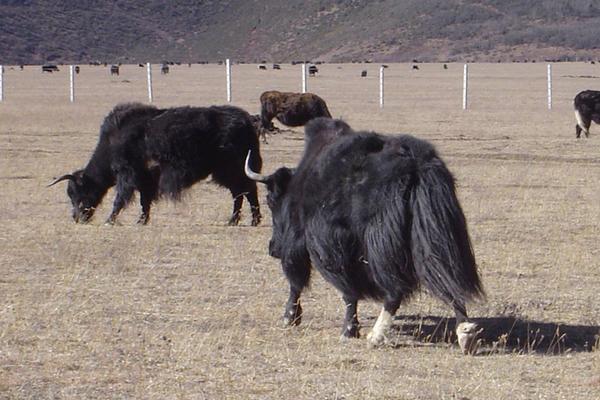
<point x="161" y="152"/>
<point x="416" y="67"/>
<point x="313" y="70"/>
<point x="114" y="70"/>
<point x="77" y="69"/>
<point x="164" y="69"/>
<point x="263" y="67"/>
<point x="587" y="109"/>
<point x="276" y="66"/>
<point x="291" y="109"/>
<point x="363" y="73"/>
<point x="49" y="68"/>
<point x="378" y="217"/>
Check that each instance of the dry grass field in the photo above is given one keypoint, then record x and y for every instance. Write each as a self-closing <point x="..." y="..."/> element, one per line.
<point x="189" y="308"/>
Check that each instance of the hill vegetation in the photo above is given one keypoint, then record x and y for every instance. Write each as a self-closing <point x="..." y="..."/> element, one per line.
<point x="36" y="31"/>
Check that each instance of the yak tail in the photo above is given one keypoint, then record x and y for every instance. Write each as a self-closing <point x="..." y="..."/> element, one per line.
<point x="440" y="244"/>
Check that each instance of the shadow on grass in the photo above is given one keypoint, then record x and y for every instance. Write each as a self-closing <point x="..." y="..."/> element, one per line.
<point x="504" y="334"/>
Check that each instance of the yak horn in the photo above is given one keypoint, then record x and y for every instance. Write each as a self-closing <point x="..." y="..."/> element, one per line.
<point x="251" y="174"/>
<point x="63" y="178"/>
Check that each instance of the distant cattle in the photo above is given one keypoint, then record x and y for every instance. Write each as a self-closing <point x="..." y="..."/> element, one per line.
<point x="77" y="69"/>
<point x="49" y="68"/>
<point x="416" y="67"/>
<point x="445" y="66"/>
<point x="162" y="152"/>
<point x="276" y="66"/>
<point x="312" y="70"/>
<point x="378" y="217"/>
<point x="164" y="69"/>
<point x="140" y="65"/>
<point x="363" y="73"/>
<point x="587" y="109"/>
<point x="114" y="70"/>
<point x="263" y="67"/>
<point x="291" y="109"/>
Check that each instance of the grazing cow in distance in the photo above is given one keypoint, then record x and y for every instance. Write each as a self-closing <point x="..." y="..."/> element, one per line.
<point x="262" y="67"/>
<point x="77" y="69"/>
<point x="415" y="67"/>
<point x="291" y="109"/>
<point x="49" y="68"/>
<point x="378" y="217"/>
<point x="138" y="150"/>
<point x="587" y="109"/>
<point x="276" y="66"/>
<point x="114" y="70"/>
<point x="363" y="73"/>
<point x="312" y="70"/>
<point x="164" y="69"/>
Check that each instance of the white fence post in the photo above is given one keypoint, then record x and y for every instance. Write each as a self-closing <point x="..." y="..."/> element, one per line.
<point x="549" y="86"/>
<point x="228" y="72"/>
<point x="149" y="71"/>
<point x="303" y="77"/>
<point x="465" y="85"/>
<point x="1" y="82"/>
<point x="381" y="86"/>
<point x="72" y="83"/>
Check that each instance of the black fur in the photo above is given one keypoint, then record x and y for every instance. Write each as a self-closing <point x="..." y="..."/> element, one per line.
<point x="376" y="215"/>
<point x="587" y="104"/>
<point x="139" y="151"/>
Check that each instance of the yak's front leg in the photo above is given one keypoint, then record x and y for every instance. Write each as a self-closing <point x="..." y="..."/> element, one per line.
<point x="351" y="325"/>
<point x="238" y="199"/>
<point x="125" y="190"/>
<point x="378" y="335"/>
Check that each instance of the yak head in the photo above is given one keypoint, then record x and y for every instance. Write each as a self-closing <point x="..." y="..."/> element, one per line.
<point x="277" y="185"/>
<point x="83" y="193"/>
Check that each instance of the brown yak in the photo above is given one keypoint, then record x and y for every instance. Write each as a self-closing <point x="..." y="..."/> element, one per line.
<point x="291" y="109"/>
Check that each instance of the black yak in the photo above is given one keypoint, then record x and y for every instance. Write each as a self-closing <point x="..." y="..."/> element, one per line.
<point x="138" y="151"/>
<point x="114" y="70"/>
<point x="291" y="109"/>
<point x="378" y="217"/>
<point x="587" y="109"/>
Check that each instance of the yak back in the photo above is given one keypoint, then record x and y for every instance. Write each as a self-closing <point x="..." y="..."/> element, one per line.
<point x="588" y="101"/>
<point x="192" y="142"/>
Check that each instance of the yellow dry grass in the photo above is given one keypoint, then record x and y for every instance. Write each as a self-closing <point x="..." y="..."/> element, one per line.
<point x="188" y="308"/>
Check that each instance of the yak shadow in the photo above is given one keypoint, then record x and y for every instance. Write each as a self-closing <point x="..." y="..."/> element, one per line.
<point x="501" y="335"/>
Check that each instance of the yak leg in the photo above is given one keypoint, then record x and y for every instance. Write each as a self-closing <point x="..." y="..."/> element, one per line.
<point x="466" y="331"/>
<point x="252" y="197"/>
<point x="125" y="189"/>
<point x="148" y="193"/>
<point x="351" y="325"/>
<point x="238" y="199"/>
<point x="384" y="322"/>
<point x="298" y="276"/>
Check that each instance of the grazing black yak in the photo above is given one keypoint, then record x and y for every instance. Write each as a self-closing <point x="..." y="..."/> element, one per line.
<point x="162" y="156"/>
<point x="587" y="109"/>
<point x="378" y="217"/>
<point x="291" y="109"/>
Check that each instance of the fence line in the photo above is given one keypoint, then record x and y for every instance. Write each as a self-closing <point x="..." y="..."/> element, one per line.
<point x="304" y="83"/>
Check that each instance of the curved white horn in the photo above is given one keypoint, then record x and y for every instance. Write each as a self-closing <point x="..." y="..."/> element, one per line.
<point x="251" y="174"/>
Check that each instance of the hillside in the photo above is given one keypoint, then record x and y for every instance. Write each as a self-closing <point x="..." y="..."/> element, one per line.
<point x="331" y="30"/>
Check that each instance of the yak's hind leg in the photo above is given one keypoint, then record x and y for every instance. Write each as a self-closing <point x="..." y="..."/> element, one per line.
<point x="378" y="335"/>
<point x="466" y="331"/>
<point x="252" y="197"/>
<point x="148" y="193"/>
<point x="238" y="199"/>
<point x="351" y="324"/>
<point x="297" y="273"/>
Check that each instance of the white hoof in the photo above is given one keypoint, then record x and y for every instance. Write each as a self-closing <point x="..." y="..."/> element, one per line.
<point x="375" y="339"/>
<point x="467" y="333"/>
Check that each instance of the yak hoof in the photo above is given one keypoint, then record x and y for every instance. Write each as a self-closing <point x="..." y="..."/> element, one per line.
<point x="350" y="332"/>
<point x="292" y="316"/>
<point x="234" y="220"/>
<point x="467" y="333"/>
<point x="143" y="219"/>
<point x="375" y="339"/>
